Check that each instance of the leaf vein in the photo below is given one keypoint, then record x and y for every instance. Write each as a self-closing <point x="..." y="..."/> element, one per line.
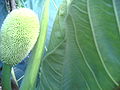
<point x="97" y="47"/>
<point x="84" y="58"/>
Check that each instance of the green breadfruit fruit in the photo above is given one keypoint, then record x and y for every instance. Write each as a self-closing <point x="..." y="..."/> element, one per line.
<point x="19" y="33"/>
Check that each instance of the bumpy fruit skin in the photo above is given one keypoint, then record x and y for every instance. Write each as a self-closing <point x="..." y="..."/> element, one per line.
<point x="18" y="34"/>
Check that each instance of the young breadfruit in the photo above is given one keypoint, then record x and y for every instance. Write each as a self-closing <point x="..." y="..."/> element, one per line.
<point x="18" y="34"/>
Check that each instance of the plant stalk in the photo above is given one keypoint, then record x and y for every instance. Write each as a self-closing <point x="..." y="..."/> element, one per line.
<point x="6" y="81"/>
<point x="32" y="70"/>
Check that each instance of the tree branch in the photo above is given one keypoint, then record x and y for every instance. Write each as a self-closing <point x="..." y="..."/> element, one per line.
<point x="12" y="4"/>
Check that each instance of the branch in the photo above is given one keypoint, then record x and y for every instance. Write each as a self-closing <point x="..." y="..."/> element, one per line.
<point x="12" y="4"/>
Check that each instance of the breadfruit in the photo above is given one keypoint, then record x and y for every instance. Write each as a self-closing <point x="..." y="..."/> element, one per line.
<point x="18" y="35"/>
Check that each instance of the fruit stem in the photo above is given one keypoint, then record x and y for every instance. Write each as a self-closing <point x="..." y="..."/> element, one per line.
<point x="6" y="81"/>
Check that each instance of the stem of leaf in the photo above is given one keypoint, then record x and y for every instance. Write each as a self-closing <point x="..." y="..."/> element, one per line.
<point x="6" y="81"/>
<point x="31" y="73"/>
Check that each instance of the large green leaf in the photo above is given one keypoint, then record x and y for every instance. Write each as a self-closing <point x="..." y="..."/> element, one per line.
<point x="84" y="48"/>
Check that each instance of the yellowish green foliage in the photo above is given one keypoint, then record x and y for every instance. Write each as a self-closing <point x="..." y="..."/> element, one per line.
<point x="19" y="33"/>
